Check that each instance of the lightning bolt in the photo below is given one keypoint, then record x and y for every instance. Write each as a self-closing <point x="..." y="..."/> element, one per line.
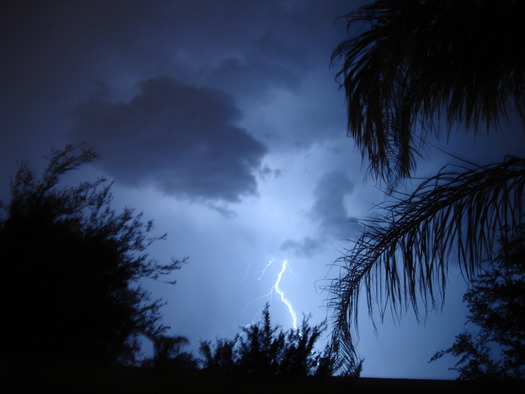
<point x="285" y="300"/>
<point x="278" y="290"/>
<point x="268" y="264"/>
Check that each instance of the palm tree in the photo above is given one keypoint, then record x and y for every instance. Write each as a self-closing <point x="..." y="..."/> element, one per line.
<point x="421" y="67"/>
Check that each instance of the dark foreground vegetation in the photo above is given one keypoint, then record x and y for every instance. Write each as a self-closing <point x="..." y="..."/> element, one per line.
<point x="77" y="378"/>
<point x="412" y="71"/>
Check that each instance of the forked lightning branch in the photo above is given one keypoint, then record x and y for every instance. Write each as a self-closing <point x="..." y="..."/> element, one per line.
<point x="279" y="291"/>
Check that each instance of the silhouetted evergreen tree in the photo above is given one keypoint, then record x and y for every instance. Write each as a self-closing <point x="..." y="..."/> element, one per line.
<point x="261" y="347"/>
<point x="70" y="266"/>
<point x="219" y="358"/>
<point x="494" y="348"/>
<point x="263" y="350"/>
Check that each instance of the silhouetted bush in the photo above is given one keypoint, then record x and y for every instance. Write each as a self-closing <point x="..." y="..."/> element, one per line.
<point x="70" y="268"/>
<point x="168" y="355"/>
<point x="263" y="350"/>
<point x="493" y="345"/>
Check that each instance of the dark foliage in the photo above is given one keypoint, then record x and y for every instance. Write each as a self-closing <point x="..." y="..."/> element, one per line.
<point x="405" y="251"/>
<point x="263" y="350"/>
<point x="70" y="268"/>
<point x="411" y="63"/>
<point x="168" y="355"/>
<point x="411" y="68"/>
<point x="495" y="347"/>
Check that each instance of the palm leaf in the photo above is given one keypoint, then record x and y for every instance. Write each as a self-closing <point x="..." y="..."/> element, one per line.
<point x="414" y="63"/>
<point x="402" y="257"/>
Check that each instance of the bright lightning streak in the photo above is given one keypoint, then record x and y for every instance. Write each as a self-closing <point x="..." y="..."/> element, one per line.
<point x="283" y="298"/>
<point x="278" y="290"/>
<point x="268" y="264"/>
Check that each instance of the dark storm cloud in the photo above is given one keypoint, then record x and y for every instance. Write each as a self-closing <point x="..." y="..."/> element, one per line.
<point x="329" y="214"/>
<point x="306" y="247"/>
<point x="181" y="138"/>
<point x="251" y="75"/>
<point x="52" y="51"/>
<point x="329" y="209"/>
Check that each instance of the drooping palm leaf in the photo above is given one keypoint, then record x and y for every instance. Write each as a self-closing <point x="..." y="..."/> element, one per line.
<point x="419" y="61"/>
<point x="402" y="257"/>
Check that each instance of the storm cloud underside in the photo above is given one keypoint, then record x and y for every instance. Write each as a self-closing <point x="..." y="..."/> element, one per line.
<point x="182" y="139"/>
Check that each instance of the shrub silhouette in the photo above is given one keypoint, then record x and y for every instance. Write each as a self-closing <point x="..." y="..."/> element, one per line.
<point x="263" y="350"/>
<point x="493" y="346"/>
<point x="168" y="355"/>
<point x="70" y="268"/>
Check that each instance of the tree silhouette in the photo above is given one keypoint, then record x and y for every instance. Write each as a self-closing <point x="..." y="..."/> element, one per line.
<point x="261" y="347"/>
<point x="219" y="358"/>
<point x="263" y="350"/>
<point x="70" y="268"/>
<point x="417" y="68"/>
<point x="495" y="347"/>
<point x="168" y="354"/>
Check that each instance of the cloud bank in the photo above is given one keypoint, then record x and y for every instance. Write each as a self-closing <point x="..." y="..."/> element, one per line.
<point x="181" y="138"/>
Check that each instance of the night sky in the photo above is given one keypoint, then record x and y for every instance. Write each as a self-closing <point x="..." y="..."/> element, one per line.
<point x="222" y="122"/>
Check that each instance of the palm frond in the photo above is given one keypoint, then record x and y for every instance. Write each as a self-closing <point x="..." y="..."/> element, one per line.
<point x="402" y="257"/>
<point x="419" y="61"/>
